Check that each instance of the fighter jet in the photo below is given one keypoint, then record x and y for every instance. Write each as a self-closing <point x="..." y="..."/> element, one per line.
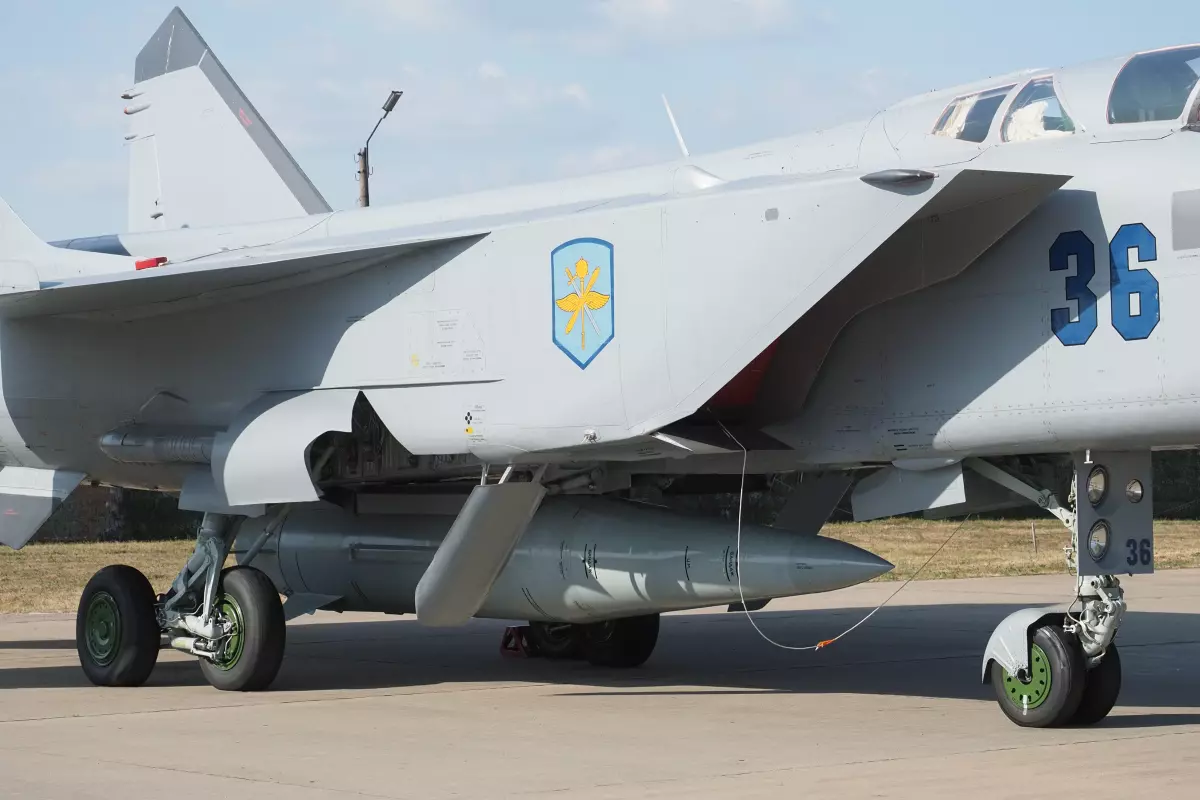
<point x="973" y="299"/>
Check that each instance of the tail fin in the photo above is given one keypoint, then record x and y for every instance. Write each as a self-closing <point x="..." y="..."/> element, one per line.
<point x="18" y="251"/>
<point x="200" y="153"/>
<point x="26" y="261"/>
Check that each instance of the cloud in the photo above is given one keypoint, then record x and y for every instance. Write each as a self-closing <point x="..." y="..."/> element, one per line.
<point x="601" y="25"/>
<point x="490" y="70"/>
<point x="578" y="93"/>
<point x="447" y="108"/>
<point x="696" y="19"/>
<point x="424" y="15"/>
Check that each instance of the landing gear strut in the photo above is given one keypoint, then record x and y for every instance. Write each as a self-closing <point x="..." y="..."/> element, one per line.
<point x="621" y="643"/>
<point x="1051" y="667"/>
<point x="232" y="619"/>
<point x="618" y="644"/>
<point x="247" y="656"/>
<point x="558" y="641"/>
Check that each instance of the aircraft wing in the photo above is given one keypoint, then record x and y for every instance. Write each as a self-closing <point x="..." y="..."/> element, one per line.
<point x="110" y="287"/>
<point x="224" y="277"/>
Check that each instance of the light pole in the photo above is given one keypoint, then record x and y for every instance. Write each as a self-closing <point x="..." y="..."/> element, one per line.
<point x="364" y="155"/>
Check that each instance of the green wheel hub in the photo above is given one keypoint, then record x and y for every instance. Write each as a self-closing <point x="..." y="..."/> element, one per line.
<point x="1031" y="693"/>
<point x="231" y="652"/>
<point x="102" y="626"/>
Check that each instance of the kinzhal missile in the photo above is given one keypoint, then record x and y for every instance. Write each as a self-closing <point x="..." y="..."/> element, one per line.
<point x="581" y="560"/>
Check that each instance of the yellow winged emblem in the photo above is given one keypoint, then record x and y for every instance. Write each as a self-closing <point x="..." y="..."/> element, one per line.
<point x="583" y="299"/>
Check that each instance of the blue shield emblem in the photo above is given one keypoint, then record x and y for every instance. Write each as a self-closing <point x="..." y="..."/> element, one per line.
<point x="583" y="319"/>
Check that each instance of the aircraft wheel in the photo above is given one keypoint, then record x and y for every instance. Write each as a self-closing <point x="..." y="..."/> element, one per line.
<point x="249" y="657"/>
<point x="116" y="629"/>
<point x="1052" y="692"/>
<point x="1100" y="690"/>
<point x="621" y="643"/>
<point x="556" y="640"/>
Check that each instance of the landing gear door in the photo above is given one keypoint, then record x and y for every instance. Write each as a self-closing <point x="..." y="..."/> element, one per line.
<point x="1114" y="495"/>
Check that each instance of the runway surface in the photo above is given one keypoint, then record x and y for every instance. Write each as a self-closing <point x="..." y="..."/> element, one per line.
<point x="369" y="706"/>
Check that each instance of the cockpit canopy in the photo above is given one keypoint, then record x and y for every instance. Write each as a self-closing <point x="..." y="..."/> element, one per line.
<point x="1151" y="87"/>
<point x="1036" y="113"/>
<point x="969" y="118"/>
<point x="1155" y="87"/>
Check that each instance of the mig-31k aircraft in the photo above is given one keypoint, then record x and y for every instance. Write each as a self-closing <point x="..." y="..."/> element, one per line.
<point x="441" y="408"/>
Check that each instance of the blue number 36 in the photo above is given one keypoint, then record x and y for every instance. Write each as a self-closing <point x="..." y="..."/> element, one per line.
<point x="1133" y="293"/>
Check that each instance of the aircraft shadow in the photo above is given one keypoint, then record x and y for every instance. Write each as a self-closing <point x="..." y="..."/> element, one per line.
<point x="912" y="651"/>
<point x="39" y="644"/>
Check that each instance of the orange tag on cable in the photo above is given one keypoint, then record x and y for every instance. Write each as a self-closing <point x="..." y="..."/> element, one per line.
<point x="826" y="643"/>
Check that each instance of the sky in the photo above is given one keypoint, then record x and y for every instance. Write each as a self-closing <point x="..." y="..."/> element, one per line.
<point x="501" y="92"/>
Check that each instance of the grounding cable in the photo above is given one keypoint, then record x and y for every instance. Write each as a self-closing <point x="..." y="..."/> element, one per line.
<point x="852" y="628"/>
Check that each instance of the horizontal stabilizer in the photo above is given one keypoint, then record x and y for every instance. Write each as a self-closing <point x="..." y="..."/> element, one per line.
<point x="26" y="262"/>
<point x="18" y="251"/>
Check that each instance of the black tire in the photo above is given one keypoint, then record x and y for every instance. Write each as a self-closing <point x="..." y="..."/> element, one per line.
<point x="116" y="628"/>
<point x="1055" y="684"/>
<point x="621" y="643"/>
<point x="556" y="641"/>
<point x="251" y="662"/>
<point x="1100" y="689"/>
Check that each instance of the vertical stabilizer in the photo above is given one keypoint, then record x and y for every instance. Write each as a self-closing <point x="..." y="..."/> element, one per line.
<point x="26" y="261"/>
<point x="200" y="153"/>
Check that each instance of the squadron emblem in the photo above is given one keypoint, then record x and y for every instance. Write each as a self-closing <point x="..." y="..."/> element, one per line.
<point x="583" y="298"/>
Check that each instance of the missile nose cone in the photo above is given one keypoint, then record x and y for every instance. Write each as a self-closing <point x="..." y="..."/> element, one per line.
<point x="873" y="565"/>
<point x="842" y="564"/>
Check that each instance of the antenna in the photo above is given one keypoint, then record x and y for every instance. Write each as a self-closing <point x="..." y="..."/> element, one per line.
<point x="675" y="125"/>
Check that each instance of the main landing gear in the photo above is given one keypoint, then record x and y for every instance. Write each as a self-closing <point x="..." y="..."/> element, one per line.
<point x="232" y="619"/>
<point x="617" y="644"/>
<point x="1052" y="667"/>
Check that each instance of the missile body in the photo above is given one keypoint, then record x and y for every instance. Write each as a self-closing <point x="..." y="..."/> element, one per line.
<point x="581" y="560"/>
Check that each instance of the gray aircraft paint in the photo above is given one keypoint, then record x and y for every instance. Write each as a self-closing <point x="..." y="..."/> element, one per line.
<point x="439" y="310"/>
<point x="177" y="46"/>
<point x="108" y="245"/>
<point x="971" y="366"/>
<point x="1185" y="219"/>
<point x="574" y="563"/>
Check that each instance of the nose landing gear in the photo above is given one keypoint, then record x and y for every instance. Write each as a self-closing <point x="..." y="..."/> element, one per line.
<point x="1047" y="693"/>
<point x="1051" y="667"/>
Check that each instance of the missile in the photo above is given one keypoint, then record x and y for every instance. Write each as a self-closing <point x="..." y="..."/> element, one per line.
<point x="581" y="560"/>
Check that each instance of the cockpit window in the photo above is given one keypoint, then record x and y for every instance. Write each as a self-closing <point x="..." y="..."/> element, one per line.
<point x="1155" y="87"/>
<point x="1036" y="113"/>
<point x="970" y="118"/>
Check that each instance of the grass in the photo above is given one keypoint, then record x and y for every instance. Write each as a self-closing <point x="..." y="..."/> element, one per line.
<point x="49" y="577"/>
<point x="990" y="548"/>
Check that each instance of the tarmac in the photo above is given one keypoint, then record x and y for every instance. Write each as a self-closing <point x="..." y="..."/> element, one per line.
<point x="378" y="707"/>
